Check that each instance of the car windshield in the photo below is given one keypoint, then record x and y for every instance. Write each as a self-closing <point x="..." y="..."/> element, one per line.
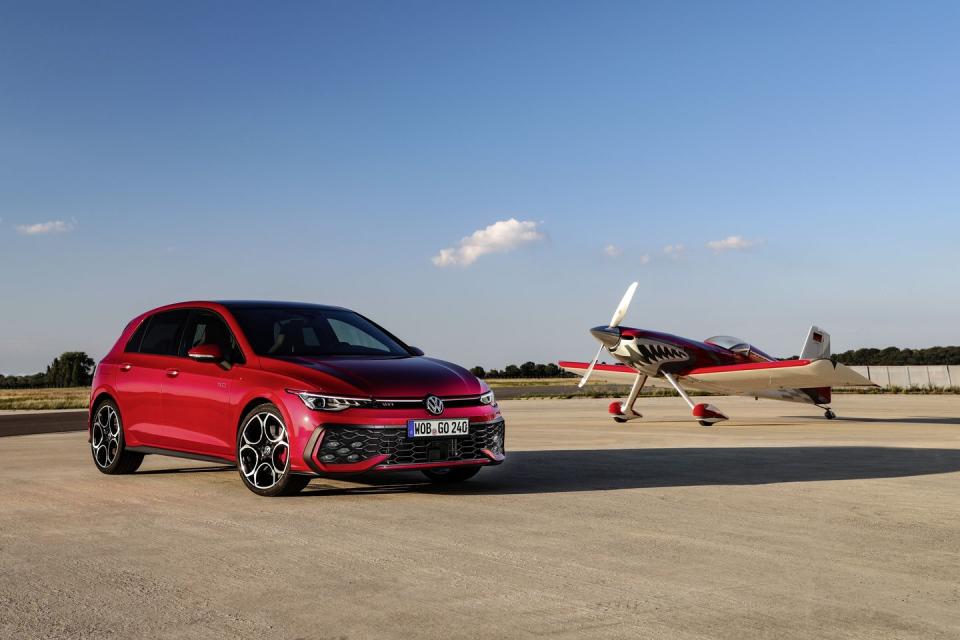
<point x="314" y="331"/>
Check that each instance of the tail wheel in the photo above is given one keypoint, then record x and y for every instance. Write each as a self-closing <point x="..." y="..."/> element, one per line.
<point x="451" y="475"/>
<point x="263" y="454"/>
<point x="829" y="414"/>
<point x="107" y="444"/>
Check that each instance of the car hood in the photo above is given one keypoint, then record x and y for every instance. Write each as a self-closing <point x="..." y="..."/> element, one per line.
<point x="390" y="377"/>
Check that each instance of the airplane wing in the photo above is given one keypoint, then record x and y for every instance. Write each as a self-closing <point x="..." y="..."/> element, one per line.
<point x="780" y="374"/>
<point x="611" y="374"/>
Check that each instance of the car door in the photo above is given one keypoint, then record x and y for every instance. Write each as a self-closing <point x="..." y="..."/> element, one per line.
<point x="196" y="400"/>
<point x="147" y="359"/>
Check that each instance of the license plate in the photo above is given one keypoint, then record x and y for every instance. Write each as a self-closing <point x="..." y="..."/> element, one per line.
<point x="438" y="428"/>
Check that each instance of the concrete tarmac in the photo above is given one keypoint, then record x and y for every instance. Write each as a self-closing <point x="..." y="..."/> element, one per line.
<point x="777" y="524"/>
<point x="21" y="423"/>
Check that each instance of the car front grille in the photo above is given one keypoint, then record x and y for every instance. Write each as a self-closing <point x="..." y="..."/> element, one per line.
<point x="407" y="403"/>
<point x="353" y="444"/>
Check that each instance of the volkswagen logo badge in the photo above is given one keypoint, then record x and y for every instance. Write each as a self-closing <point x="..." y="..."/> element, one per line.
<point x="433" y="404"/>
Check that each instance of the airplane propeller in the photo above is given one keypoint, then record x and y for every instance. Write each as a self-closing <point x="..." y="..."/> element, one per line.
<point x="615" y="321"/>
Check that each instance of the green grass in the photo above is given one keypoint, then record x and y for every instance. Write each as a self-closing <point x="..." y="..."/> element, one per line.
<point x="37" y="399"/>
<point x="593" y="392"/>
<point x="930" y="391"/>
<point x="530" y="382"/>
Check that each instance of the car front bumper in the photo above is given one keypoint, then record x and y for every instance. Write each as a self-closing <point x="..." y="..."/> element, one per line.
<point x="358" y="448"/>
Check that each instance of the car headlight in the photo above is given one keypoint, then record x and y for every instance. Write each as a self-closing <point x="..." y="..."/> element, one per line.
<point x="488" y="398"/>
<point x="322" y="402"/>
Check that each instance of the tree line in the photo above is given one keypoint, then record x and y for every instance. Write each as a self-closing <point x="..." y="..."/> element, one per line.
<point x="75" y="368"/>
<point x="894" y="356"/>
<point x="70" y="369"/>
<point x="525" y="370"/>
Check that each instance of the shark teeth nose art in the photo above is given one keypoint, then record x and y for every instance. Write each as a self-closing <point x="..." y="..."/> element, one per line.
<point x="650" y="353"/>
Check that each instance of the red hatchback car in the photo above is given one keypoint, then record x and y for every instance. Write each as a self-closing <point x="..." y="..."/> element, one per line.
<point x="287" y="392"/>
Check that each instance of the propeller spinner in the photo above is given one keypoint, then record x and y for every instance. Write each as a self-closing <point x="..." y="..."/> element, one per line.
<point x="606" y="337"/>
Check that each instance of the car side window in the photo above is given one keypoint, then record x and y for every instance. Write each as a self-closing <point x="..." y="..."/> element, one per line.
<point x="133" y="344"/>
<point x="162" y="336"/>
<point x="207" y="327"/>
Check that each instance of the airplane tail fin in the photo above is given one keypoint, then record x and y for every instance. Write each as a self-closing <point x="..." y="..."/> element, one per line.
<point x="817" y="345"/>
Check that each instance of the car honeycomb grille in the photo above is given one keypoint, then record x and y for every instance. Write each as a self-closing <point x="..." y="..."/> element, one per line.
<point x="353" y="444"/>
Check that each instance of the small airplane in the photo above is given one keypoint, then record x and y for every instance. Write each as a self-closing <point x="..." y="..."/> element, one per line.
<point x="721" y="364"/>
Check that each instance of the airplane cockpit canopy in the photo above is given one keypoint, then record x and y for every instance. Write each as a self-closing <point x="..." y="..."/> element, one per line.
<point x="737" y="345"/>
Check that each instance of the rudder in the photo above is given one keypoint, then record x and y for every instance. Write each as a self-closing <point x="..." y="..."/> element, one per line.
<point x="817" y="345"/>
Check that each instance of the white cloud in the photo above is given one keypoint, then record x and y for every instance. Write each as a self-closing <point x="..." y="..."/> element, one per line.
<point x="732" y="243"/>
<point x="645" y="258"/>
<point x="499" y="237"/>
<point x="612" y="250"/>
<point x="42" y="228"/>
<point x="674" y="250"/>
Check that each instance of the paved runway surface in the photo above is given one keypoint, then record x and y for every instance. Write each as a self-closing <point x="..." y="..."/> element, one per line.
<point x="777" y="525"/>
<point x="26" y="423"/>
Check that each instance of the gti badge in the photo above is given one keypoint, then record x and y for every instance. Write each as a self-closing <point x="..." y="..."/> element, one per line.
<point x="434" y="405"/>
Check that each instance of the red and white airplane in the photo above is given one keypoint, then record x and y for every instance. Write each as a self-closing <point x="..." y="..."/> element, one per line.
<point x="721" y="364"/>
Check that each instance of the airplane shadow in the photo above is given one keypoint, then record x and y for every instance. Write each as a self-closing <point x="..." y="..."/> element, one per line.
<point x="532" y="472"/>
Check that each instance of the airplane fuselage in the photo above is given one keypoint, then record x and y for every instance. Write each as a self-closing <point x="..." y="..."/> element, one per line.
<point x="653" y="352"/>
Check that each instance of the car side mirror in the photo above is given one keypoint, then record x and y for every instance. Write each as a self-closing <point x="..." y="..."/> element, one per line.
<point x="416" y="351"/>
<point x="206" y="353"/>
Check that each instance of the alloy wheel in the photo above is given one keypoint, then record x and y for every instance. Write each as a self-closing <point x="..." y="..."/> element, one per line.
<point x="264" y="450"/>
<point x="105" y="436"/>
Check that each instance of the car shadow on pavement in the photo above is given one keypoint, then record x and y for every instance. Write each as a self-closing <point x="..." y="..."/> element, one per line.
<point x="528" y="472"/>
<point x="210" y="469"/>
<point x="916" y="420"/>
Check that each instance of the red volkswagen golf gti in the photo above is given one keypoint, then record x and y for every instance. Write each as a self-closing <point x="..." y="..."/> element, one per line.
<point x="286" y="392"/>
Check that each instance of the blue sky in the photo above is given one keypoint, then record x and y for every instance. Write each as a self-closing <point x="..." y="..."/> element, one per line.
<point x="327" y="151"/>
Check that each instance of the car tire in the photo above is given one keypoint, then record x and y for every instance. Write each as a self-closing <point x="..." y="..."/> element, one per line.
<point x="107" y="443"/>
<point x="263" y="454"/>
<point x="451" y="475"/>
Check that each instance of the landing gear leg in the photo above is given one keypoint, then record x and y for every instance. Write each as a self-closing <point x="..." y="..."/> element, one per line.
<point x="623" y="412"/>
<point x="827" y="412"/>
<point x="705" y="414"/>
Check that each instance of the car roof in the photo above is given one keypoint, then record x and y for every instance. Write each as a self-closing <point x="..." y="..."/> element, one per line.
<point x="274" y="304"/>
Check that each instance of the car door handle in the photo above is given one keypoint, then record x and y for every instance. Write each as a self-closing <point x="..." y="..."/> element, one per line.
<point x="126" y="366"/>
<point x="172" y="373"/>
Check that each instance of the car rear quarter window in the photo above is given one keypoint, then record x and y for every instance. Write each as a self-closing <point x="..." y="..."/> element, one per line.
<point x="162" y="335"/>
<point x="133" y="344"/>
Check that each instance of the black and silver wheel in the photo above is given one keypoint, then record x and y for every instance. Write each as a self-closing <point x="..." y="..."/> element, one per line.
<point x="829" y="414"/>
<point x="107" y="443"/>
<point x="451" y="475"/>
<point x="263" y="454"/>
